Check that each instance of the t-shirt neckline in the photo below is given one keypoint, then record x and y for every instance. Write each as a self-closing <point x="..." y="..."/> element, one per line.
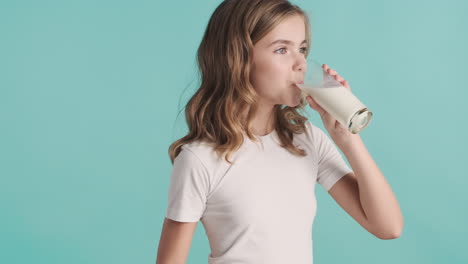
<point x="267" y="136"/>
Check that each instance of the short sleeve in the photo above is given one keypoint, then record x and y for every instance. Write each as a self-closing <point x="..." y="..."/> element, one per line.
<point x="331" y="165"/>
<point x="188" y="189"/>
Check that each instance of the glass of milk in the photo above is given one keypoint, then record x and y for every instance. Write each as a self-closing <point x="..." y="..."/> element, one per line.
<point x="336" y="99"/>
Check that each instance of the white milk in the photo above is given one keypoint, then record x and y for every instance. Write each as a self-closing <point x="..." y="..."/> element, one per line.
<point x="342" y="104"/>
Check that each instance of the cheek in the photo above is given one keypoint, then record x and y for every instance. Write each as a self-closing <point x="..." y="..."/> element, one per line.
<point x="269" y="76"/>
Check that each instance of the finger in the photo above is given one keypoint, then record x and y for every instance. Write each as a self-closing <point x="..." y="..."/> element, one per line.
<point x="339" y="78"/>
<point x="346" y="84"/>
<point x="332" y="72"/>
<point x="338" y="125"/>
<point x="315" y="106"/>
<point x="327" y="119"/>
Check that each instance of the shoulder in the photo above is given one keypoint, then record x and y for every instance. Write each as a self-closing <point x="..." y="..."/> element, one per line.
<point x="316" y="134"/>
<point x="310" y="135"/>
<point x="194" y="151"/>
<point x="203" y="152"/>
<point x="311" y="128"/>
<point x="313" y="139"/>
<point x="202" y="158"/>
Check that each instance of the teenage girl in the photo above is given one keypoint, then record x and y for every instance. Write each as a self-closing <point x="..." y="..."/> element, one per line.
<point x="248" y="166"/>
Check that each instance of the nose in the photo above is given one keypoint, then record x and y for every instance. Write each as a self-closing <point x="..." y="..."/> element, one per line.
<point x="300" y="64"/>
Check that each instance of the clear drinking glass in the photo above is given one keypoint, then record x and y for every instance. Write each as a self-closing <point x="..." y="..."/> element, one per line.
<point x="336" y="99"/>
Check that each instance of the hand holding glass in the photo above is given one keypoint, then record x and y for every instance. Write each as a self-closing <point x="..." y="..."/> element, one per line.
<point x="336" y="99"/>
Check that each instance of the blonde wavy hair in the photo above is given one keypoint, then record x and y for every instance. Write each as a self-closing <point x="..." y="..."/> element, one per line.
<point x="224" y="60"/>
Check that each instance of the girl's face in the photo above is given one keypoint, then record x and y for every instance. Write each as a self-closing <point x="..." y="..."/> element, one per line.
<point x="279" y="63"/>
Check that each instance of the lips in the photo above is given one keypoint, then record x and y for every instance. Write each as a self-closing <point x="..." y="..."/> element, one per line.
<point x="296" y="85"/>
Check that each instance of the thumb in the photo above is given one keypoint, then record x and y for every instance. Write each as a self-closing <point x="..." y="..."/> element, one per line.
<point x="315" y="106"/>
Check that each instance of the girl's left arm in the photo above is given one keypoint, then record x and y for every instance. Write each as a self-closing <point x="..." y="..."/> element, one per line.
<point x="364" y="193"/>
<point x="377" y="199"/>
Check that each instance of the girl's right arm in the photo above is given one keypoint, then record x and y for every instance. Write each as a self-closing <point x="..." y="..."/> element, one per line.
<point x="175" y="241"/>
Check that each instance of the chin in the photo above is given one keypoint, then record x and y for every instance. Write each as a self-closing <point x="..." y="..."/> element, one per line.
<point x="296" y="101"/>
<point x="293" y="104"/>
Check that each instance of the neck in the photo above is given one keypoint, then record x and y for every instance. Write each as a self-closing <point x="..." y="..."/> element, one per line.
<point x="263" y="120"/>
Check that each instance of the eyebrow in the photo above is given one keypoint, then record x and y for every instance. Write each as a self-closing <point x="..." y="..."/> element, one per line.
<point x="285" y="41"/>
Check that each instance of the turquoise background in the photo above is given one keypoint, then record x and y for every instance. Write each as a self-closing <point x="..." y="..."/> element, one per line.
<point x="91" y="94"/>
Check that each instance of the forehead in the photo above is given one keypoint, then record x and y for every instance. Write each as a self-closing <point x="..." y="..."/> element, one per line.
<point x="291" y="28"/>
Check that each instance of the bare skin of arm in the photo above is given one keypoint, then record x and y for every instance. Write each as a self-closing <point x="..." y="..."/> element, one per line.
<point x="175" y="241"/>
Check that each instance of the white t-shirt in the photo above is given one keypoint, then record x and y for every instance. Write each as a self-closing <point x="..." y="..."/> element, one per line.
<point x="261" y="208"/>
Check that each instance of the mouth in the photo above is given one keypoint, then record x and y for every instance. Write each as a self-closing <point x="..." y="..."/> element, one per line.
<point x="297" y="87"/>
